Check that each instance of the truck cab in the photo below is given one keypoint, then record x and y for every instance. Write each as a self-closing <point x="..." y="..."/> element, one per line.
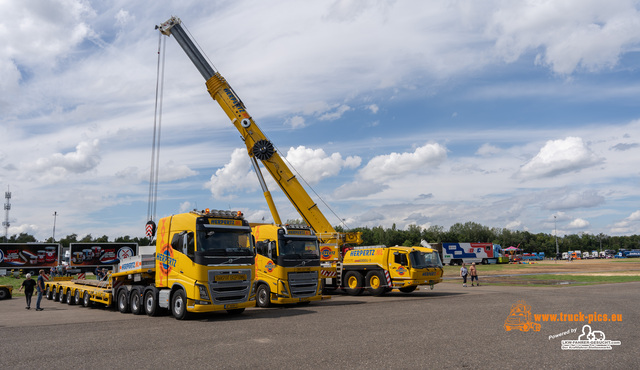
<point x="287" y="265"/>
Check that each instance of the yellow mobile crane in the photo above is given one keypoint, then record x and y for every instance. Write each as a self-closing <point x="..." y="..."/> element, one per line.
<point x="340" y="266"/>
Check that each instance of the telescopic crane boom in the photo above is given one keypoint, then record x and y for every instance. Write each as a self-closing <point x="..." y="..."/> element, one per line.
<point x="259" y="146"/>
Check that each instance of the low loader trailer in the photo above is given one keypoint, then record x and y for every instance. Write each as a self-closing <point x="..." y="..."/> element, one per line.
<point x="203" y="261"/>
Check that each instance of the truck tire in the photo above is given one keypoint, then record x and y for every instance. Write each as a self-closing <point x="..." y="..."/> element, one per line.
<point x="353" y="283"/>
<point x="4" y="293"/>
<point x="62" y="296"/>
<point x="376" y="283"/>
<point x="408" y="289"/>
<point x="54" y="294"/>
<point x="86" y="299"/>
<point x="136" y="302"/>
<point x="179" y="305"/>
<point x="76" y="297"/>
<point x="70" y="298"/>
<point x="263" y="296"/>
<point x="47" y="292"/>
<point x="150" y="303"/>
<point x="123" y="301"/>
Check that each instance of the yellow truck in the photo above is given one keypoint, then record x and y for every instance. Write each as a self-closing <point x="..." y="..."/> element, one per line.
<point x="5" y="291"/>
<point x="333" y="244"/>
<point x="287" y="265"/>
<point x="202" y="261"/>
<point x="379" y="269"/>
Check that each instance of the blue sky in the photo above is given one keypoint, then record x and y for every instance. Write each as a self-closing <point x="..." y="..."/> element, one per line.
<point x="513" y="114"/>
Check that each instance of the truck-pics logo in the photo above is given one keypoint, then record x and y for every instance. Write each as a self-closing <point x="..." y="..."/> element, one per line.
<point x="520" y="318"/>
<point x="590" y="340"/>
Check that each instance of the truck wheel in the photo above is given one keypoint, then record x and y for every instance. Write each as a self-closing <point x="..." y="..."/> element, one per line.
<point x="150" y="303"/>
<point x="236" y="311"/>
<point x="136" y="305"/>
<point x="70" y="299"/>
<point x="408" y="289"/>
<point x="179" y="305"/>
<point x="54" y="295"/>
<point x="123" y="301"/>
<point x="354" y="283"/>
<point x="263" y="296"/>
<point x="63" y="297"/>
<point x="4" y="293"/>
<point x="376" y="283"/>
<point x="76" y="297"/>
<point x="86" y="299"/>
<point x="47" y="292"/>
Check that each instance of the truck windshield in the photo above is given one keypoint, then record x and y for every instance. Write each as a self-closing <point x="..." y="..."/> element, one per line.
<point x="424" y="259"/>
<point x="225" y="242"/>
<point x="299" y="248"/>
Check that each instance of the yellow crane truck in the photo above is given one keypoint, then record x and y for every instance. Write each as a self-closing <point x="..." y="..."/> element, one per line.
<point x="202" y="261"/>
<point x="334" y="258"/>
<point x="287" y="265"/>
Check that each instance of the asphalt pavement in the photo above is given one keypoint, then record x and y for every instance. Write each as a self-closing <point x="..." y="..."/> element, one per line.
<point x="449" y="327"/>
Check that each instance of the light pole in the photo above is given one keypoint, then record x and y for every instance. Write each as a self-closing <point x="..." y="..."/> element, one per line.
<point x="55" y="215"/>
<point x="555" y="231"/>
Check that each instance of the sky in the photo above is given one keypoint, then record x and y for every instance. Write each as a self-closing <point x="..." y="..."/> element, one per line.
<point x="512" y="114"/>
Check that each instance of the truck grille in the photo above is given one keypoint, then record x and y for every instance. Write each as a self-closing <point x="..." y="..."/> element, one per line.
<point x="303" y="284"/>
<point x="230" y="286"/>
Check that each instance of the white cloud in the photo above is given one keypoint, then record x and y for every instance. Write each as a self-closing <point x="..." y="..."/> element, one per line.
<point x="335" y="113"/>
<point x="585" y="199"/>
<point x="558" y="157"/>
<point x="315" y="165"/>
<point x="578" y="223"/>
<point x="569" y="34"/>
<point x="296" y="122"/>
<point x="421" y="160"/>
<point x="373" y="108"/>
<point x="488" y="150"/>
<point x="58" y="166"/>
<point x="234" y="177"/>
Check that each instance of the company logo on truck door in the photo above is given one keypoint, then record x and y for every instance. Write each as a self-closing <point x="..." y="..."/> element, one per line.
<point x="326" y="253"/>
<point x="270" y="266"/>
<point x="401" y="270"/>
<point x="166" y="260"/>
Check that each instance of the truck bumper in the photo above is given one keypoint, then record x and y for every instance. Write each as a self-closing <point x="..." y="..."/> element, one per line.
<point x="200" y="308"/>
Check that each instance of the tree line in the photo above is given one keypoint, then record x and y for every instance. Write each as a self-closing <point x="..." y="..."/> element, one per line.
<point x="469" y="232"/>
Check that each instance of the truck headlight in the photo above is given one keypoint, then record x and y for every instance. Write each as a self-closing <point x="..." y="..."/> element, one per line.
<point x="203" y="292"/>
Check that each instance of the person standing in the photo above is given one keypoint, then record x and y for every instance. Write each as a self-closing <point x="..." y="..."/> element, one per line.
<point x="28" y="286"/>
<point x="40" y="287"/>
<point x="463" y="274"/>
<point x="474" y="274"/>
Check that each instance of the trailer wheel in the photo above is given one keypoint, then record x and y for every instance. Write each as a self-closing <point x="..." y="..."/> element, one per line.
<point x="135" y="302"/>
<point x="150" y="303"/>
<point x="4" y="293"/>
<point x="408" y="289"/>
<point x="376" y="283"/>
<point x="86" y="299"/>
<point x="263" y="296"/>
<point x="62" y="298"/>
<point x="123" y="301"/>
<point x="179" y="305"/>
<point x="54" y="295"/>
<point x="76" y="297"/>
<point x="47" y="292"/>
<point x="354" y="283"/>
<point x="70" y="297"/>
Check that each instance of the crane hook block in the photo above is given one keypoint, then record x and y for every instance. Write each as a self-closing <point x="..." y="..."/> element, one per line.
<point x="263" y="150"/>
